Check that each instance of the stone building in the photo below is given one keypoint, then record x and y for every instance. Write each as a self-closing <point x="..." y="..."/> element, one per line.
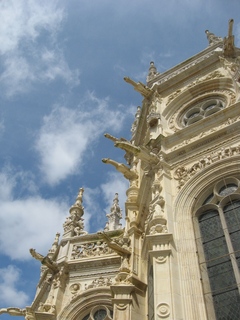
<point x="178" y="256"/>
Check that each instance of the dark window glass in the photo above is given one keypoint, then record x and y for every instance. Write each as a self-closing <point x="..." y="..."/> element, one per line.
<point x="100" y="314"/>
<point x="150" y="294"/>
<point x="228" y="189"/>
<point x="232" y="216"/>
<point x="219" y="267"/>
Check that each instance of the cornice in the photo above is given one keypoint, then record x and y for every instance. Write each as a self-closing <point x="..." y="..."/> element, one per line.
<point x="189" y="65"/>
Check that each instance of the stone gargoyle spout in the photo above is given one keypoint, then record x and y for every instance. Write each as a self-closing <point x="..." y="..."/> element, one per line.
<point x="126" y="171"/>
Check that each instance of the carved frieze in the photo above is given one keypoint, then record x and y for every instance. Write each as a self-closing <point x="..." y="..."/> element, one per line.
<point x="92" y="249"/>
<point x="99" y="282"/>
<point x="183" y="174"/>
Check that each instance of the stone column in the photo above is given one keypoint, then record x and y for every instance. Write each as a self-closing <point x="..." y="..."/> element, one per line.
<point x="162" y="275"/>
<point x="122" y="301"/>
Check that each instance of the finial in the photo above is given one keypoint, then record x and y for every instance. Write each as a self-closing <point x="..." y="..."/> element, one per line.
<point x="212" y="39"/>
<point x="228" y="42"/>
<point x="152" y="72"/>
<point x="114" y="216"/>
<point x="77" y="208"/>
<point x="79" y="197"/>
<point x="54" y="245"/>
<point x="73" y="225"/>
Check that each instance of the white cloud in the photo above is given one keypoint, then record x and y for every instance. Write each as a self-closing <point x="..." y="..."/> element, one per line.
<point x="9" y="292"/>
<point x="66" y="134"/>
<point x="95" y="199"/>
<point x="23" y="26"/>
<point x="27" y="221"/>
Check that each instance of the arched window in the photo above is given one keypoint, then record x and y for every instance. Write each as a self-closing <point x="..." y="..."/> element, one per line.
<point x="219" y="238"/>
<point x="99" y="313"/>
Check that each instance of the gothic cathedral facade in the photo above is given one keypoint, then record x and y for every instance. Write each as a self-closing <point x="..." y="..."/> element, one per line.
<point x="178" y="256"/>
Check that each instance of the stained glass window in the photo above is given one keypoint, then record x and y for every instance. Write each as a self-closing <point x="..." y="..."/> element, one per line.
<point x="99" y="314"/>
<point x="220" y="235"/>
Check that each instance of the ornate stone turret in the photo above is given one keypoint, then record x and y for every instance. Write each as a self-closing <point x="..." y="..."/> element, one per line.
<point x="74" y="225"/>
<point x="114" y="216"/>
<point x="212" y="39"/>
<point x="54" y="246"/>
<point x="152" y="71"/>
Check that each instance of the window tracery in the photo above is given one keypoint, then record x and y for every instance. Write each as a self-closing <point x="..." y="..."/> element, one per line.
<point x="218" y="240"/>
<point x="202" y="110"/>
<point x="99" y="313"/>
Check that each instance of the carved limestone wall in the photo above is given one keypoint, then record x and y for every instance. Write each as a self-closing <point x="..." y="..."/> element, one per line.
<point x="92" y="249"/>
<point x="183" y="174"/>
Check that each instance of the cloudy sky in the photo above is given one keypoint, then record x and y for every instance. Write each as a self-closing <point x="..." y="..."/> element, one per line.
<point x="62" y="65"/>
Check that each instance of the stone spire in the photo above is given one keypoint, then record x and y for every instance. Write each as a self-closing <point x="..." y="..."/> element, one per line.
<point x="228" y="42"/>
<point x="212" y="39"/>
<point x="73" y="225"/>
<point x="54" y="246"/>
<point x="152" y="72"/>
<point x="114" y="216"/>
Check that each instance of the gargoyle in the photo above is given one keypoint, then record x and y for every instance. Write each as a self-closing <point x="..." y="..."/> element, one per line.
<point x="140" y="87"/>
<point x="110" y="137"/>
<point x="128" y="174"/>
<point x="46" y="261"/>
<point x="13" y="311"/>
<point x="113" y="245"/>
<point x="140" y="152"/>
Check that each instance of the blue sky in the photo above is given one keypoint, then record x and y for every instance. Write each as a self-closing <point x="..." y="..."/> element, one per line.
<point x="62" y="65"/>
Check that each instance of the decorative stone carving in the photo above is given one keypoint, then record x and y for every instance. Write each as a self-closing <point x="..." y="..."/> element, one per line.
<point x="135" y="123"/>
<point x="161" y="259"/>
<point x="75" y="223"/>
<point x="123" y="278"/>
<point x="152" y="72"/>
<point x="29" y="314"/>
<point x="114" y="216"/>
<point x="158" y="228"/>
<point x="74" y="289"/>
<point x="92" y="249"/>
<point x="212" y="39"/>
<point x="46" y="261"/>
<point x="163" y="310"/>
<point x="182" y="174"/>
<point x="99" y="282"/>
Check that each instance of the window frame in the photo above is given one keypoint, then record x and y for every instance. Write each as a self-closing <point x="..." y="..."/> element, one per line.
<point x="217" y="203"/>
